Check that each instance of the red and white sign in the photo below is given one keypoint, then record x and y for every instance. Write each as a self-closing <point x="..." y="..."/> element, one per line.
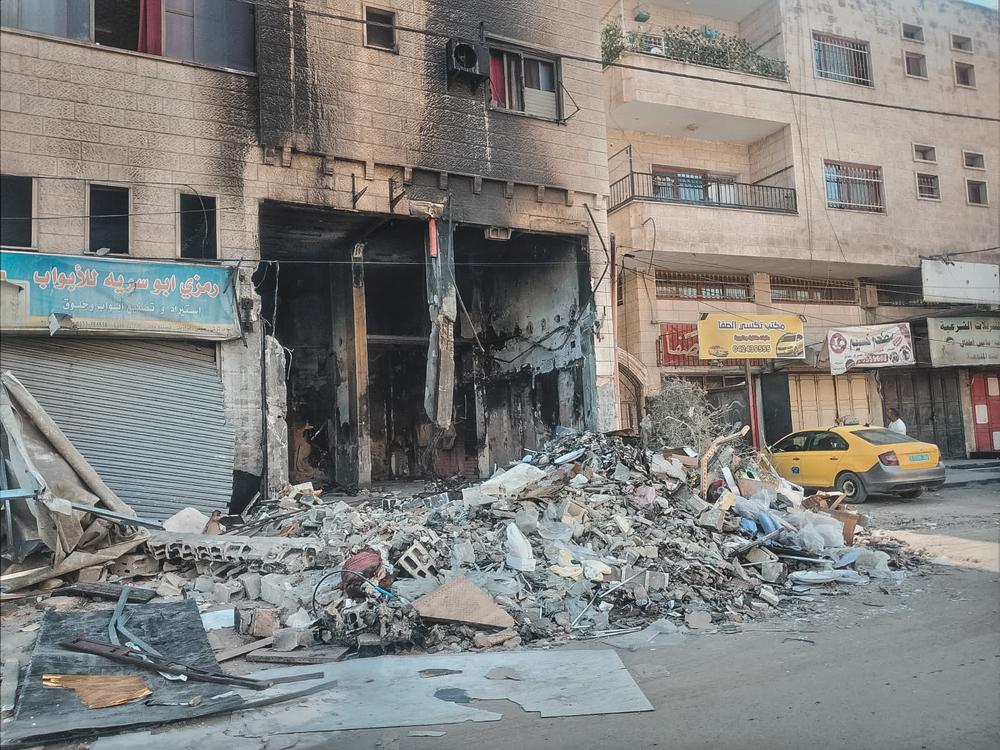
<point x="863" y="347"/>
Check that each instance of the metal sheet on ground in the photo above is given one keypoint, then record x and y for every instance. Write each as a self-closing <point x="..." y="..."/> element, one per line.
<point x="173" y="629"/>
<point x="389" y="691"/>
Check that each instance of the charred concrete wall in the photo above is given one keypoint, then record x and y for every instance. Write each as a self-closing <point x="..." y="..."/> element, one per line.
<point x="320" y="109"/>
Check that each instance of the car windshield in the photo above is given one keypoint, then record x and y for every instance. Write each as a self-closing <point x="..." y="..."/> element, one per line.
<point x="878" y="436"/>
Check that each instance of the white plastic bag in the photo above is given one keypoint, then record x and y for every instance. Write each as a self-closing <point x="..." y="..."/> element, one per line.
<point x="519" y="554"/>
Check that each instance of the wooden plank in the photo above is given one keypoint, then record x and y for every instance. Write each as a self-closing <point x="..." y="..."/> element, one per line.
<point x="110" y="591"/>
<point x="246" y="648"/>
<point x="361" y="381"/>
<point x="310" y="656"/>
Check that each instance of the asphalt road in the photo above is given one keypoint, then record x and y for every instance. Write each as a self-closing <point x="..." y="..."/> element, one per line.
<point x="913" y="670"/>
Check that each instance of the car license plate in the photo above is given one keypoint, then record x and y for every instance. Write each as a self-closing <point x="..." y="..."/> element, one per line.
<point x="919" y="457"/>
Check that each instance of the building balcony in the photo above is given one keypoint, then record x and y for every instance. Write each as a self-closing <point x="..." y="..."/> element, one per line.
<point x="698" y="190"/>
<point x="692" y="46"/>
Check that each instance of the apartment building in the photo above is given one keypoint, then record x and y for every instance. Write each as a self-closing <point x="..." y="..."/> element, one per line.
<point x="409" y="199"/>
<point x="796" y="156"/>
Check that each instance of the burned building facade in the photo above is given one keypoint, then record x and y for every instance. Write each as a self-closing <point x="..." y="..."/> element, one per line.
<point x="412" y="195"/>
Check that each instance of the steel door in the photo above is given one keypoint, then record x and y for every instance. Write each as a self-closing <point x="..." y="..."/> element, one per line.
<point x="985" y="388"/>
<point x="930" y="404"/>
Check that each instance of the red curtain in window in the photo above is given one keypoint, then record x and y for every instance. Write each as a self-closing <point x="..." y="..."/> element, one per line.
<point x="150" y="27"/>
<point x="498" y="83"/>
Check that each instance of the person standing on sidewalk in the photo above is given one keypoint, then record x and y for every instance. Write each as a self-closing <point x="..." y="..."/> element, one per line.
<point x="895" y="423"/>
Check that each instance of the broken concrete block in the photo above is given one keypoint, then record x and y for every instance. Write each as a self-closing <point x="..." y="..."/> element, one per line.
<point x="204" y="584"/>
<point x="289" y="639"/>
<point x="265" y="621"/>
<point x="767" y="594"/>
<point x="418" y="562"/>
<point x="511" y="483"/>
<point x="274" y="588"/>
<point x="225" y="591"/>
<point x="698" y="619"/>
<point x="661" y="466"/>
<point x="712" y="519"/>
<point x="134" y="565"/>
<point x="171" y="584"/>
<point x="251" y="584"/>
<point x="186" y="521"/>
<point x="766" y="563"/>
<point x="490" y="640"/>
<point x="299" y="619"/>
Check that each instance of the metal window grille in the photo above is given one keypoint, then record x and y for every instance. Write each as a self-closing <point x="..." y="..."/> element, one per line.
<point x="854" y="186"/>
<point x="792" y="289"/>
<point x="927" y="186"/>
<point x="842" y="59"/>
<point x="673" y="285"/>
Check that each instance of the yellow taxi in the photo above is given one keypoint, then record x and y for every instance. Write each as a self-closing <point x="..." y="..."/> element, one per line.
<point x="858" y="460"/>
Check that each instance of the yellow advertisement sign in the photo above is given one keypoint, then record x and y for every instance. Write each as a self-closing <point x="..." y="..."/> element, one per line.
<point x="740" y="336"/>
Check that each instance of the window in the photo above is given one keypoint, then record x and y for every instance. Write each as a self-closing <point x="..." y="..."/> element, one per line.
<point x="116" y="24"/>
<point x="792" y="289"/>
<point x="916" y="65"/>
<point x="620" y="287"/>
<point x="882" y="436"/>
<point x="198" y="227"/>
<point x="840" y="59"/>
<point x="928" y="187"/>
<point x="961" y="43"/>
<point x="855" y="187"/>
<point x="913" y="33"/>
<point x="675" y="285"/>
<point x="828" y="441"/>
<point x="211" y="32"/>
<point x="15" y="211"/>
<point x="523" y="83"/>
<point x="379" y="31"/>
<point x="793" y="443"/>
<point x="924" y="153"/>
<point x="973" y="160"/>
<point x="109" y="218"/>
<point x="965" y="75"/>
<point x="69" y="19"/>
<point x="976" y="190"/>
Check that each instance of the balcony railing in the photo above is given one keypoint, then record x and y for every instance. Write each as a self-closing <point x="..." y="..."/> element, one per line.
<point x="702" y="191"/>
<point x="692" y="46"/>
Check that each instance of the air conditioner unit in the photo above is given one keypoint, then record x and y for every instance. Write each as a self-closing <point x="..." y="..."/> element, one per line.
<point x="468" y="60"/>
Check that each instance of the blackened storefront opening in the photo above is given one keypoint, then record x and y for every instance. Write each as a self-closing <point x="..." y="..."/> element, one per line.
<point x="346" y="295"/>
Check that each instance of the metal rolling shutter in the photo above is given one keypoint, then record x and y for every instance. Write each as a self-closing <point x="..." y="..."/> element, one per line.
<point x="148" y="415"/>
<point x="816" y="403"/>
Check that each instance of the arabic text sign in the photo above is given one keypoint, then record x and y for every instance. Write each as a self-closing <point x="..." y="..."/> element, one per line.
<point x="724" y="336"/>
<point x="869" y="346"/>
<point x="117" y="296"/>
<point x="964" y="341"/>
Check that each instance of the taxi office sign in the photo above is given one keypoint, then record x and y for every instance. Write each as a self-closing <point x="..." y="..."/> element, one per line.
<point x="736" y="336"/>
<point x="116" y="297"/>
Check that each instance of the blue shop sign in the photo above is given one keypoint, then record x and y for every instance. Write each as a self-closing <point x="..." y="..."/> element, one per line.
<point x="112" y="296"/>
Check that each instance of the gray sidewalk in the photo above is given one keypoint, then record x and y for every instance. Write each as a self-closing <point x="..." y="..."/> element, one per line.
<point x="971" y="471"/>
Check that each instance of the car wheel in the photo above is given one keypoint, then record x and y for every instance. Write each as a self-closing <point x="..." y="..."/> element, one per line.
<point x="852" y="487"/>
<point x="911" y="494"/>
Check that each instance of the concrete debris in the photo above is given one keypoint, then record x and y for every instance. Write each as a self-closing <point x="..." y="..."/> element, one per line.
<point x="186" y="521"/>
<point x="591" y="536"/>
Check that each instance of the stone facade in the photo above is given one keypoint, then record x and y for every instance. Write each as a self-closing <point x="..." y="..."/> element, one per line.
<point x="778" y="133"/>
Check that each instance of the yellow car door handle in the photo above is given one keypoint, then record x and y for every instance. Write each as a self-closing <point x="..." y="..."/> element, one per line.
<point x="834" y="458"/>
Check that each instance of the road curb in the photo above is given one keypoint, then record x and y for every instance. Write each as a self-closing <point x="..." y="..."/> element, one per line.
<point x="969" y="483"/>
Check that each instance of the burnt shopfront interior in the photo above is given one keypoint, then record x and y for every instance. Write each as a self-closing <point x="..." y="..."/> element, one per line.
<point x="417" y="348"/>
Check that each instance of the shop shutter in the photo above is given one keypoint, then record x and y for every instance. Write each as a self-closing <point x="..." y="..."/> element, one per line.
<point x="816" y="403"/>
<point x="148" y="415"/>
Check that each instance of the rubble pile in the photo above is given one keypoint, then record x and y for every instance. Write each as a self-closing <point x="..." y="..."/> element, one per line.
<point x="592" y="536"/>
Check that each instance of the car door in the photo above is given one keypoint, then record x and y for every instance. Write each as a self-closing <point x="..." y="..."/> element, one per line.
<point x="827" y="458"/>
<point x="788" y="455"/>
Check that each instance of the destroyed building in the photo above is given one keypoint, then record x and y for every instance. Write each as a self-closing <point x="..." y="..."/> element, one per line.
<point x="408" y="205"/>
